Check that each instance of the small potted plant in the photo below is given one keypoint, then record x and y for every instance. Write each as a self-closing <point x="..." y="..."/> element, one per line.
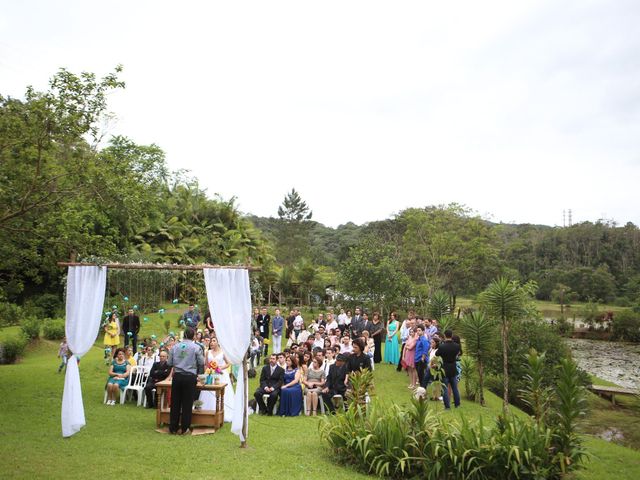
<point x="197" y="405"/>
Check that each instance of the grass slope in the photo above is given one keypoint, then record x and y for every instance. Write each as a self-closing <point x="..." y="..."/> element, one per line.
<point x="121" y="440"/>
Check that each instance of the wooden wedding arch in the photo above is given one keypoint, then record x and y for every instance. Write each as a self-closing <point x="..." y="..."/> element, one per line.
<point x="173" y="266"/>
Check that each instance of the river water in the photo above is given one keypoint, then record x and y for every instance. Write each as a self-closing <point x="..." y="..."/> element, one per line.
<point x="616" y="362"/>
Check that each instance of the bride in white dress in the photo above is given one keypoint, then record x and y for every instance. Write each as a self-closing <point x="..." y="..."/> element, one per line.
<point x="215" y="354"/>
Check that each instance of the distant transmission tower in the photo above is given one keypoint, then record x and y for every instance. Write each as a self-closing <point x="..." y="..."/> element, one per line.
<point x="570" y="221"/>
<point x="564" y="218"/>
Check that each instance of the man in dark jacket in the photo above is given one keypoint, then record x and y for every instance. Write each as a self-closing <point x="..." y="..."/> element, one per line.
<point x="271" y="380"/>
<point x="449" y="351"/>
<point x="131" y="327"/>
<point x="159" y="371"/>
<point x="263" y="322"/>
<point x="336" y="383"/>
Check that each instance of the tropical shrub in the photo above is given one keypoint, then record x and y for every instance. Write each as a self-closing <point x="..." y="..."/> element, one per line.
<point x="537" y="395"/>
<point x="13" y="347"/>
<point x="31" y="328"/>
<point x="10" y="314"/>
<point x="626" y="326"/>
<point x="524" y="336"/>
<point x="413" y="442"/>
<point x="53" y="328"/>
<point x="480" y="334"/>
<point x="470" y="377"/>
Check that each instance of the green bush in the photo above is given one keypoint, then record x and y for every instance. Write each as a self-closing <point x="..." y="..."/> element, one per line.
<point x="523" y="336"/>
<point x="626" y="326"/>
<point x="10" y="314"/>
<point x="13" y="347"/>
<point x="31" y="328"/>
<point x="564" y="327"/>
<point x="413" y="442"/>
<point x="53" y="329"/>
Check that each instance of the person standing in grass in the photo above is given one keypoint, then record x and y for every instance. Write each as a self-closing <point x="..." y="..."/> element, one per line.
<point x="276" y="330"/>
<point x="376" y="332"/>
<point x="187" y="361"/>
<point x="191" y="317"/>
<point x="63" y="354"/>
<point x="408" y="358"/>
<point x="422" y="353"/>
<point x="111" y="335"/>
<point x="131" y="328"/>
<point x="449" y="351"/>
<point x="391" y="346"/>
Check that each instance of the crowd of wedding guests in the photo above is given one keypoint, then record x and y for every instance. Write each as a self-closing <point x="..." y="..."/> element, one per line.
<point x="310" y="361"/>
<point x="318" y="356"/>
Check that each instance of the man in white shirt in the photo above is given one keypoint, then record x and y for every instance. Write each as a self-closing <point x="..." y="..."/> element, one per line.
<point x="148" y="358"/>
<point x="318" y="341"/>
<point x="342" y="321"/>
<point x="331" y="323"/>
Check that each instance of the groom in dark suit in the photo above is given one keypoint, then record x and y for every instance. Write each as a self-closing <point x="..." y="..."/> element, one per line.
<point x="271" y="379"/>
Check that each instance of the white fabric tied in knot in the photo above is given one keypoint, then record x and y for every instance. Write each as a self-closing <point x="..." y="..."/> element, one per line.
<point x="85" y="296"/>
<point x="229" y="300"/>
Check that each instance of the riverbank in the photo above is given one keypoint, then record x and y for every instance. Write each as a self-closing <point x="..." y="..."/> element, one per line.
<point x="618" y="424"/>
<point x="616" y="362"/>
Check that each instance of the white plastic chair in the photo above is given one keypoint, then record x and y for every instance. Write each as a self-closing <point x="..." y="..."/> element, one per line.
<point x="137" y="381"/>
<point x="265" y="398"/>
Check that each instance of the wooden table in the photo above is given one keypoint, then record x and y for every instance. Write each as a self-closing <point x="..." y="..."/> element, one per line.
<point x="208" y="418"/>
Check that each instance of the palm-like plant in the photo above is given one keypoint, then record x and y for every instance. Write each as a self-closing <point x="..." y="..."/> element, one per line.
<point x="479" y="332"/>
<point x="505" y="301"/>
<point x="438" y="305"/>
<point x="536" y="394"/>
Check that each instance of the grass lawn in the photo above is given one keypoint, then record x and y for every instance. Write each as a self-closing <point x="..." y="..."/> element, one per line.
<point x="121" y="441"/>
<point x="552" y="309"/>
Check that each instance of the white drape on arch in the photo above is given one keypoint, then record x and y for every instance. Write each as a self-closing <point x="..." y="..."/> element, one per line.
<point x="85" y="297"/>
<point x="229" y="300"/>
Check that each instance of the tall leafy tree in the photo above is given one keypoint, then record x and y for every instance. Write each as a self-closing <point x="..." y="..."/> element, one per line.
<point x="59" y="195"/>
<point x="374" y="273"/>
<point x="449" y="248"/>
<point x="506" y="301"/>
<point x="293" y="228"/>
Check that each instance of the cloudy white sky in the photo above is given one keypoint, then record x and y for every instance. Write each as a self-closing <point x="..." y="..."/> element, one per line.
<point x="517" y="109"/>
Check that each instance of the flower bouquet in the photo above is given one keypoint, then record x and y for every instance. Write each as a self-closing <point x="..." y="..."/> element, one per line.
<point x="213" y="373"/>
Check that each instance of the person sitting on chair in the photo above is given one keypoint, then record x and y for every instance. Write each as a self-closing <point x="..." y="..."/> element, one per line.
<point x="159" y="371"/>
<point x="336" y="383"/>
<point x="271" y="380"/>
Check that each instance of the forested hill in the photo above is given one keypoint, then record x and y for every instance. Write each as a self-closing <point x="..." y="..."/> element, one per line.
<point x="591" y="260"/>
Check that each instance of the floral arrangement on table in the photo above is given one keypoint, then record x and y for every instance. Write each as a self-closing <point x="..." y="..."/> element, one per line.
<point x="213" y="372"/>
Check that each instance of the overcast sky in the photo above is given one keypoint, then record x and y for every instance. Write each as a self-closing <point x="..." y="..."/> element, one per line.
<point x="517" y="109"/>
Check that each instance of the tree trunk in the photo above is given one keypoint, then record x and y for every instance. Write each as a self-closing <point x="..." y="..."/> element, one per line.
<point x="269" y="296"/>
<point x="505" y="366"/>
<point x="481" y="382"/>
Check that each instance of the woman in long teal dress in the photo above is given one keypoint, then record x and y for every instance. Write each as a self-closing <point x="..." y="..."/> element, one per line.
<point x="118" y="376"/>
<point x="392" y="346"/>
<point x="291" y="391"/>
